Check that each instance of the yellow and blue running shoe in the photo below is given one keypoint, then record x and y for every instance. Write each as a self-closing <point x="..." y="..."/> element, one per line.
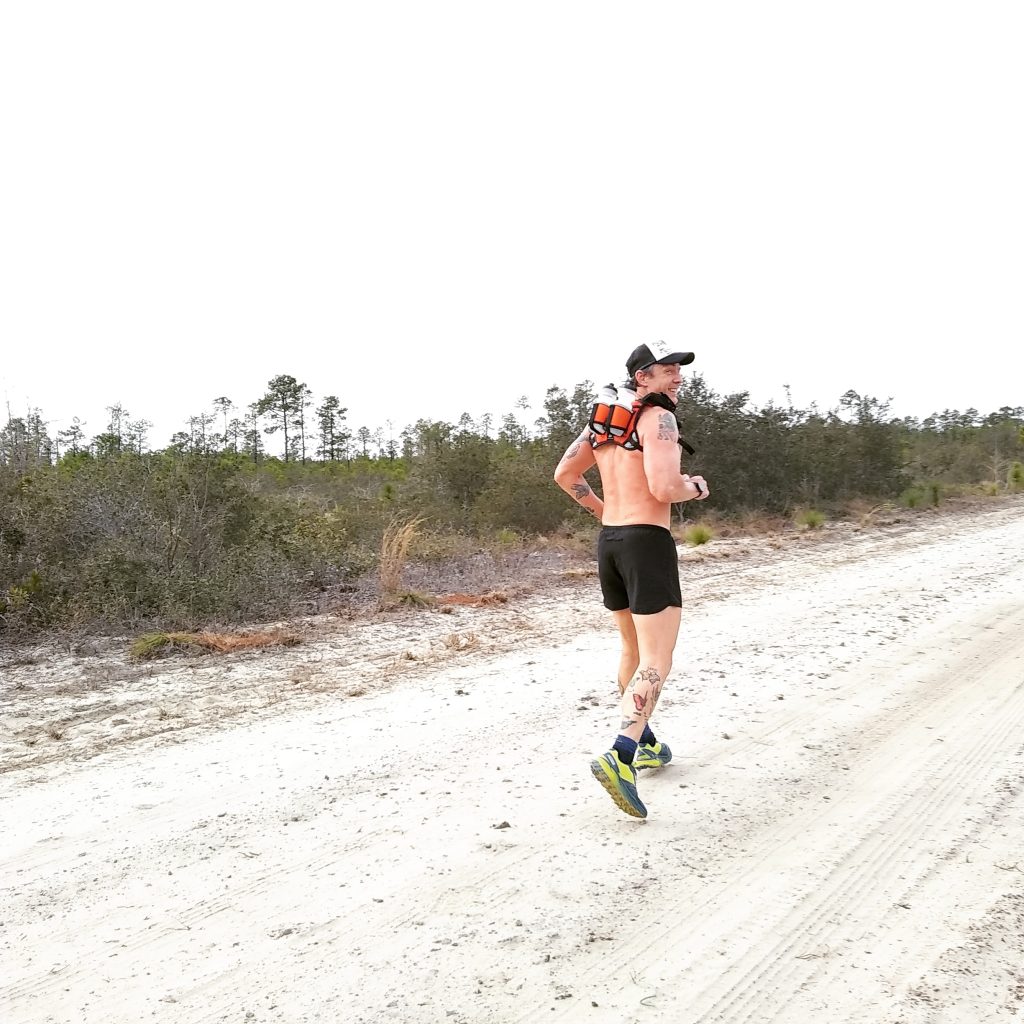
<point x="620" y="781"/>
<point x="651" y="755"/>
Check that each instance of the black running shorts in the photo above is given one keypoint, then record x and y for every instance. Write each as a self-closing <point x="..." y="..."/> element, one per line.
<point x="639" y="569"/>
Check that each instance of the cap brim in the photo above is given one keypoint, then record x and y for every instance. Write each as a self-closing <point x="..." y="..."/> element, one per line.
<point x="676" y="357"/>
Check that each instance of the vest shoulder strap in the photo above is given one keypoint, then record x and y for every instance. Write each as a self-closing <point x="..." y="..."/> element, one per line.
<point x="612" y="424"/>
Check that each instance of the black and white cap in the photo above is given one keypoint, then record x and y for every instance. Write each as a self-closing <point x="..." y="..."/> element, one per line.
<point x="643" y="356"/>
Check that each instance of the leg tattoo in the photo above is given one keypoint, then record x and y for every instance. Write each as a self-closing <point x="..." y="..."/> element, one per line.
<point x="642" y="693"/>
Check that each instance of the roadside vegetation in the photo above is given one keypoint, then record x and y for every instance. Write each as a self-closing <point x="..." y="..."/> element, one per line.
<point x="215" y="531"/>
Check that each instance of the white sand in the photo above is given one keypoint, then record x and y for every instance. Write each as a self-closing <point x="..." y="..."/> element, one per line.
<point x="840" y="837"/>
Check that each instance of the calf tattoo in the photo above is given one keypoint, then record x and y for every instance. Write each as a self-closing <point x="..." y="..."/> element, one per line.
<point x="644" y="691"/>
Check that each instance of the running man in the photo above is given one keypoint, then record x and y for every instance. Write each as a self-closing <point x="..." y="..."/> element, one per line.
<point x="638" y="564"/>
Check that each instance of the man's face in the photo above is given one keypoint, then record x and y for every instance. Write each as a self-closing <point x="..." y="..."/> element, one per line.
<point x="666" y="378"/>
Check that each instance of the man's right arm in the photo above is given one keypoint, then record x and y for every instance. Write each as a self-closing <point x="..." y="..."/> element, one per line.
<point x="659" y="435"/>
<point x="578" y="458"/>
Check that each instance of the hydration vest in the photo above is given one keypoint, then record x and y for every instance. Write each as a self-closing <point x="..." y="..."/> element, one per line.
<point x="616" y="413"/>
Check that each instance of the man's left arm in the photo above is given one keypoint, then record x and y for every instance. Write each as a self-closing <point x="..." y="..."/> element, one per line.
<point x="578" y="458"/>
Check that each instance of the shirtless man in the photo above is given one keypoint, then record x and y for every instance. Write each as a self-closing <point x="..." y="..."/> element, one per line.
<point x="638" y="564"/>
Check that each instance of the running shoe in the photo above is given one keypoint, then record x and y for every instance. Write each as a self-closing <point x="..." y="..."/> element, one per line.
<point x="648" y="755"/>
<point x="620" y="781"/>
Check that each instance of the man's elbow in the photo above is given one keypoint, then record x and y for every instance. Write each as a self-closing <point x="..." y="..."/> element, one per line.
<point x="564" y="478"/>
<point x="666" y="491"/>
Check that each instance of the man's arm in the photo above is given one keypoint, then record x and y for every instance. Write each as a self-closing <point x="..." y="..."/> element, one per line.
<point x="578" y="458"/>
<point x="659" y="435"/>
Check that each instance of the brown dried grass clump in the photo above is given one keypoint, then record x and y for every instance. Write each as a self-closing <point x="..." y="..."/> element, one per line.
<point x="394" y="550"/>
<point x="152" y="645"/>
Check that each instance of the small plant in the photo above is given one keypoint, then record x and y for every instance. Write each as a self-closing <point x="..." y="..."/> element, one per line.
<point x="1015" y="478"/>
<point x="697" y="534"/>
<point x="809" y="518"/>
<point x="152" y="645"/>
<point x="912" y="497"/>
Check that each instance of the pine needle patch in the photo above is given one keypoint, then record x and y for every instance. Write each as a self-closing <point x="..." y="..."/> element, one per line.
<point x="155" y="645"/>
<point x="476" y="600"/>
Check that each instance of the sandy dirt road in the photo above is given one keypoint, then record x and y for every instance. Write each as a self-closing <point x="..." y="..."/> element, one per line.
<point x="414" y="835"/>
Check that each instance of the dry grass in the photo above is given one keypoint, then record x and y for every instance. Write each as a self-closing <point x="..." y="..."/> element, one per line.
<point x="866" y="513"/>
<point x="581" y="573"/>
<point x="394" y="551"/>
<point x="461" y="641"/>
<point x="152" y="645"/>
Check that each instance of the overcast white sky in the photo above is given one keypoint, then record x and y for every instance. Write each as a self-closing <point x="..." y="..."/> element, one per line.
<point x="435" y="208"/>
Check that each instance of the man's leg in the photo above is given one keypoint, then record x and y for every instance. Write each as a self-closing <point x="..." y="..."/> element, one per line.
<point x="656" y="640"/>
<point x="629" y="658"/>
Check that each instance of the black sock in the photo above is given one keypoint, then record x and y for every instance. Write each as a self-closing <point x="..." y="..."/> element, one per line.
<point x="647" y="739"/>
<point x="625" y="748"/>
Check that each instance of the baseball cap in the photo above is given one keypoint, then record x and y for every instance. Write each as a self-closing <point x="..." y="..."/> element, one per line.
<point x="641" y="357"/>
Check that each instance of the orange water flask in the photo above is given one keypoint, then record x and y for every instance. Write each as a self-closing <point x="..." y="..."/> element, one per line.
<point x="601" y="414"/>
<point x="612" y="411"/>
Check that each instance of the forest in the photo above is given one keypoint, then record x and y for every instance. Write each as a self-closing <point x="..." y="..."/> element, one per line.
<point x="247" y="517"/>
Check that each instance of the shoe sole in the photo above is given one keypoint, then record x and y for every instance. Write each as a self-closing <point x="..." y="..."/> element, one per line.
<point x="602" y="773"/>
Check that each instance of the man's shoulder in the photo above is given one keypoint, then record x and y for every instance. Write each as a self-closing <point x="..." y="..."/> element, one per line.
<point x="658" y="423"/>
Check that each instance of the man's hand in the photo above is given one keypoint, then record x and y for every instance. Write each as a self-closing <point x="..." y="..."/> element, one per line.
<point x="700" y="483"/>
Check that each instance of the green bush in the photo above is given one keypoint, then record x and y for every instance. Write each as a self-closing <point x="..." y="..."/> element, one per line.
<point x="809" y="518"/>
<point x="697" y="534"/>
<point x="28" y="603"/>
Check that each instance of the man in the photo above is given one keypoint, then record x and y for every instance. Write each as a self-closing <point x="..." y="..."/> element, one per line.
<point x="638" y="564"/>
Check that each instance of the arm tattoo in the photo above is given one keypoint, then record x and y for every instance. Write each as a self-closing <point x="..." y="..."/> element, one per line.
<point x="667" y="428"/>
<point x="574" y="450"/>
<point x="580" y="491"/>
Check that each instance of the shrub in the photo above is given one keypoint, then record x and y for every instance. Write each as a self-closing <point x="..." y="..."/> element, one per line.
<point x="809" y="518"/>
<point x="697" y="534"/>
<point x="30" y="602"/>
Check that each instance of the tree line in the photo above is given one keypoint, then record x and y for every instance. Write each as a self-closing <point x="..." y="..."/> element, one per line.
<point x="102" y="533"/>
